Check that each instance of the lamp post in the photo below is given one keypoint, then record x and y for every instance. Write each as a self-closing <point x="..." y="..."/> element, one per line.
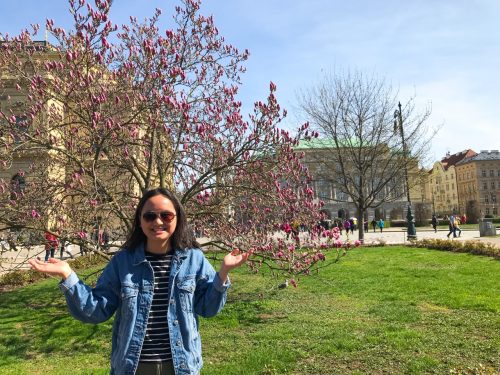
<point x="398" y="128"/>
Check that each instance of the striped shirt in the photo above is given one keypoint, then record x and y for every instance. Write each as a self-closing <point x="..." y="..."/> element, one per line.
<point x="156" y="346"/>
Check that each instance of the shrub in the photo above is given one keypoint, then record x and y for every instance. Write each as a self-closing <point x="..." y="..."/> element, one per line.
<point x="471" y="247"/>
<point x="21" y="277"/>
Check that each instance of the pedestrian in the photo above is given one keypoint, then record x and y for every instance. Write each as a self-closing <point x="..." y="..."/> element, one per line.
<point x="51" y="244"/>
<point x="434" y="222"/>
<point x="365" y="225"/>
<point x="463" y="219"/>
<point x="374" y="224"/>
<point x="457" y="226"/>
<point x="381" y="225"/>
<point x="451" y="227"/>
<point x="157" y="284"/>
<point x="347" y="226"/>
<point x="351" y="225"/>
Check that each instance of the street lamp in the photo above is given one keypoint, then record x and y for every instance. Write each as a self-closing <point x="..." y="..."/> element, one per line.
<point x="398" y="128"/>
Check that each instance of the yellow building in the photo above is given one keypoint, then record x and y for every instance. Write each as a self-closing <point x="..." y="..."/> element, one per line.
<point x="110" y="172"/>
<point x="443" y="183"/>
<point x="478" y="181"/>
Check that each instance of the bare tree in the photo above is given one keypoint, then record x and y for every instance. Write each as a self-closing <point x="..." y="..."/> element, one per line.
<point x="364" y="155"/>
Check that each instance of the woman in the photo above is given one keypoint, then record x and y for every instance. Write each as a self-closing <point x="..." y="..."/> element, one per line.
<point x="158" y="285"/>
<point x="381" y="225"/>
<point x="51" y="244"/>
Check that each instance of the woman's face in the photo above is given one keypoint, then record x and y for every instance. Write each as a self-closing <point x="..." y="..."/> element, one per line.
<point x="158" y="223"/>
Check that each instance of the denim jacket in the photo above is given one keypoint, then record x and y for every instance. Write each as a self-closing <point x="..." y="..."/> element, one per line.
<point x="126" y="287"/>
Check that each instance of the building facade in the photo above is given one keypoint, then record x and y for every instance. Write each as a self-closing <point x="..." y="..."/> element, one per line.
<point x="478" y="180"/>
<point x="390" y="203"/>
<point x="443" y="187"/>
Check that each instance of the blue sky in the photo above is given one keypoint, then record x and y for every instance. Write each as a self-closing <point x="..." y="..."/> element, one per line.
<point x="446" y="52"/>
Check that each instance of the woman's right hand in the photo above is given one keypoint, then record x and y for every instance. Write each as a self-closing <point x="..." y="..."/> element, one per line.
<point x="52" y="267"/>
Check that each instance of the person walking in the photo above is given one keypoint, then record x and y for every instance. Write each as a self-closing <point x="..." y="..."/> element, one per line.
<point x="463" y="219"/>
<point x="374" y="224"/>
<point x="457" y="227"/>
<point x="434" y="223"/>
<point x="451" y="227"/>
<point x="381" y="225"/>
<point x="51" y="244"/>
<point x="347" y="226"/>
<point x="156" y="286"/>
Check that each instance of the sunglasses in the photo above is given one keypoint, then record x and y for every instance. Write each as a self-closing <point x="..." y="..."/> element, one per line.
<point x="165" y="216"/>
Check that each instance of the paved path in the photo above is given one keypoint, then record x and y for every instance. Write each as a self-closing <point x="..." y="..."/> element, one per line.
<point x="398" y="236"/>
<point x="18" y="259"/>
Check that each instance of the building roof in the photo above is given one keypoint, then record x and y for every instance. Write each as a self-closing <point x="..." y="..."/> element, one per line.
<point x="319" y="143"/>
<point x="451" y="160"/>
<point x="483" y="155"/>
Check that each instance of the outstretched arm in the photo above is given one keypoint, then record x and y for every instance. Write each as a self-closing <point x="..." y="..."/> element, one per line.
<point x="90" y="305"/>
<point x="53" y="267"/>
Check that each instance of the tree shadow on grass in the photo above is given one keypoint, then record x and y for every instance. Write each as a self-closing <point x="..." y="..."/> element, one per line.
<point x="35" y="321"/>
<point x="247" y="309"/>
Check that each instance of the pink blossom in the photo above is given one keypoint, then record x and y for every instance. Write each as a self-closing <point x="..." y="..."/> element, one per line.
<point x="35" y="214"/>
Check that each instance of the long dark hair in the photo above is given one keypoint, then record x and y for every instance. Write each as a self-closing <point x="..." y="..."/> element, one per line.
<point x="182" y="238"/>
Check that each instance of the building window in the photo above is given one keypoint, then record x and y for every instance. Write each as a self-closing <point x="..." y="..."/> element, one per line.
<point x="483" y="173"/>
<point x="492" y="173"/>
<point x="492" y="184"/>
<point x="486" y="199"/>
<point x="341" y="196"/>
<point x="323" y="189"/>
<point x="17" y="185"/>
<point x="487" y="211"/>
<point x="485" y="186"/>
<point x="495" y="211"/>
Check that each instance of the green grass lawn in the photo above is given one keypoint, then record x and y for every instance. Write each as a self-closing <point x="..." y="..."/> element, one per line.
<point x="388" y="310"/>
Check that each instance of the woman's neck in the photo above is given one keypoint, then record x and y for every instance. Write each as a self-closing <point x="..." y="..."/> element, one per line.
<point x="158" y="248"/>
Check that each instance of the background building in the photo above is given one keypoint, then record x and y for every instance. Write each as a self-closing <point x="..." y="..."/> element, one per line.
<point x="478" y="180"/>
<point x="390" y="204"/>
<point x="443" y="183"/>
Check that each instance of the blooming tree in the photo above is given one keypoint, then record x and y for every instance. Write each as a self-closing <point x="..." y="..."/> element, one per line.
<point x="109" y="112"/>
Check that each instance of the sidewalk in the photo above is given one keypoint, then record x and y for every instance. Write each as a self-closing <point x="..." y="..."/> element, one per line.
<point x="10" y="260"/>
<point x="399" y="236"/>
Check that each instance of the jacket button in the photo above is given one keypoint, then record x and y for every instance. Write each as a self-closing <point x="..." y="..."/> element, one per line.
<point x="176" y="322"/>
<point x="178" y="343"/>
<point x="183" y="365"/>
<point x="172" y="301"/>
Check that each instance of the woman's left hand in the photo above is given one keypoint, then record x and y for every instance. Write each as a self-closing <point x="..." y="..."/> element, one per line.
<point x="233" y="260"/>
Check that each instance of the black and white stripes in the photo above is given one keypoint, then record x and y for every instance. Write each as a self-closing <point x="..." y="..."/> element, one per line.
<point x="156" y="346"/>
